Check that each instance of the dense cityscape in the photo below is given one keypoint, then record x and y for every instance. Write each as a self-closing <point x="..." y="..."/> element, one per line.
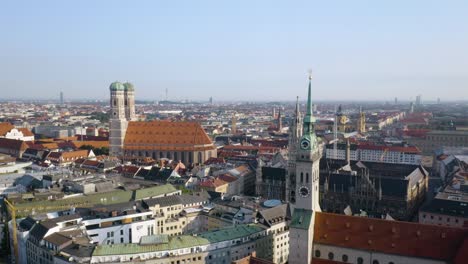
<point x="278" y="182"/>
<point x="233" y="132"/>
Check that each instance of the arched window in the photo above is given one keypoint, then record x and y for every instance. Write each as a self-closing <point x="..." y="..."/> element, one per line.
<point x="344" y="258"/>
<point x="307" y="177"/>
<point x="331" y="256"/>
<point x="302" y="177"/>
<point x="360" y="260"/>
<point x="317" y="253"/>
<point x="375" y="262"/>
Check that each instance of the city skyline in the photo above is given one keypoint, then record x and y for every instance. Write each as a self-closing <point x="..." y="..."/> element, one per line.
<point x="236" y="52"/>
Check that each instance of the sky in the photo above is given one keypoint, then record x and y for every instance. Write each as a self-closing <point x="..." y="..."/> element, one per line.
<point x="235" y="50"/>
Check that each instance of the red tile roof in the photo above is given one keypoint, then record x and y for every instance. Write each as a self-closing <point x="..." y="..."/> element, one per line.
<point x="212" y="183"/>
<point x="391" y="237"/>
<point x="227" y="178"/>
<point x="13" y="144"/>
<point x="26" y="132"/>
<point x="5" y="127"/>
<point x="165" y="135"/>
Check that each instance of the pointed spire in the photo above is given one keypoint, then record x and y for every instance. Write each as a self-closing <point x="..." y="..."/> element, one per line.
<point x="309" y="97"/>
<point x="297" y="106"/>
<point x="309" y="120"/>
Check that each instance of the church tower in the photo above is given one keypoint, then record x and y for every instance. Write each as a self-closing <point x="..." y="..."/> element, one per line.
<point x="307" y="190"/>
<point x="361" y="121"/>
<point x="129" y="93"/>
<point x="295" y="133"/>
<point x="118" y="119"/>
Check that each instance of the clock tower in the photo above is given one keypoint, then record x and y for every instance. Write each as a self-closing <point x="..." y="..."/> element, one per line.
<point x="307" y="190"/>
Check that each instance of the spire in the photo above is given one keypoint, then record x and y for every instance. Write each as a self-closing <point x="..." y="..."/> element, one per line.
<point x="309" y="98"/>
<point x="309" y="120"/>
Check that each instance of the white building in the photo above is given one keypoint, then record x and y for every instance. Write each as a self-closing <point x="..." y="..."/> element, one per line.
<point x="373" y="153"/>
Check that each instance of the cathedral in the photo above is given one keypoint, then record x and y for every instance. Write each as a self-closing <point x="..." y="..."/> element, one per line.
<point x="130" y="139"/>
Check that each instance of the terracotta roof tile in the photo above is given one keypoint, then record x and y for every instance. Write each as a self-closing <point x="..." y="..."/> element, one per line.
<point x="26" y="132"/>
<point x="5" y="127"/>
<point x="165" y="135"/>
<point x="391" y="237"/>
<point x="13" y="144"/>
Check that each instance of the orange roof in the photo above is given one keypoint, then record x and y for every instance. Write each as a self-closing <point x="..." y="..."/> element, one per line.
<point x="5" y="127"/>
<point x="50" y="145"/>
<point x="165" y="135"/>
<point x="75" y="154"/>
<point x="212" y="183"/>
<point x="95" y="144"/>
<point x="26" y="132"/>
<point x="391" y="237"/>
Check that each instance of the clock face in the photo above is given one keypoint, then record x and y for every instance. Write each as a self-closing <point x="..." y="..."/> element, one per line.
<point x="304" y="191"/>
<point x="305" y="144"/>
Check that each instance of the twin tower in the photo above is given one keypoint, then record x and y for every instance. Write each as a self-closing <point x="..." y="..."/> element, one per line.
<point x="122" y="102"/>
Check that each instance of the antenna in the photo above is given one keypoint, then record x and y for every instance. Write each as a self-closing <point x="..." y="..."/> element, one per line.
<point x="166" y="93"/>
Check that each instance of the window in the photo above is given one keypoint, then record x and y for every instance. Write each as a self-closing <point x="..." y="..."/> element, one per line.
<point x="375" y="262"/>
<point x="307" y="177"/>
<point x="360" y="260"/>
<point x="317" y="253"/>
<point x="302" y="177"/>
<point x="331" y="256"/>
<point x="344" y="258"/>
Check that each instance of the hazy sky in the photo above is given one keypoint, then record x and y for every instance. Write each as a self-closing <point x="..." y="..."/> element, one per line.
<point x="235" y="50"/>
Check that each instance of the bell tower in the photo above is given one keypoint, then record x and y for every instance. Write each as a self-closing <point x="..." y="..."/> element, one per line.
<point x="307" y="190"/>
<point x="117" y="120"/>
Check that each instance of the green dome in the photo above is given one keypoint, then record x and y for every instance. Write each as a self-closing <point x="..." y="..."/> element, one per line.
<point x="128" y="86"/>
<point x="116" y="86"/>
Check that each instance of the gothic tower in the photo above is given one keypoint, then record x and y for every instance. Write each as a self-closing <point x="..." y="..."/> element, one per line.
<point x="295" y="133"/>
<point x="118" y="119"/>
<point x="361" y="121"/>
<point x="307" y="190"/>
<point x="129" y="92"/>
